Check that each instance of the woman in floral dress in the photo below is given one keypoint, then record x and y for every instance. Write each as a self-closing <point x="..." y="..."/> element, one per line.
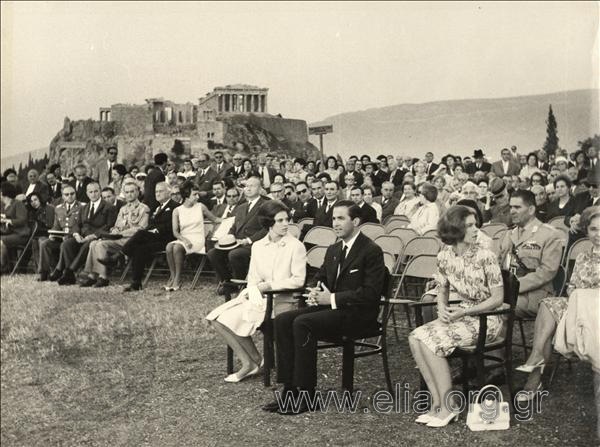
<point x="473" y="274"/>
<point x="586" y="275"/>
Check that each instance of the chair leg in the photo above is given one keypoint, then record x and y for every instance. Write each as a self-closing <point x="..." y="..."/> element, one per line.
<point x="268" y="354"/>
<point x="229" y="360"/>
<point x="125" y="270"/>
<point x="479" y="363"/>
<point x="508" y="373"/>
<point x="198" y="272"/>
<point x="348" y="366"/>
<point x="150" y="269"/>
<point x="394" y="323"/>
<point x="523" y="338"/>
<point x="407" y="310"/>
<point x="386" y="366"/>
<point x="555" y="366"/>
<point x="465" y="375"/>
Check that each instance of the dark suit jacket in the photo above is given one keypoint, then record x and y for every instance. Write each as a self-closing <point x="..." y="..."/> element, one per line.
<point x="162" y="220"/>
<point x="219" y="210"/>
<point x="368" y="214"/>
<point x="155" y="176"/>
<point x="205" y="182"/>
<point x="55" y="196"/>
<point x="432" y="168"/>
<point x="81" y="193"/>
<point x="232" y="174"/>
<point x="102" y="221"/>
<point x="388" y="208"/>
<point x="272" y="173"/>
<point x="322" y="218"/>
<point x="311" y="208"/>
<point x="397" y="178"/>
<point x="223" y="171"/>
<point x="212" y="203"/>
<point x="41" y="189"/>
<point x="246" y="224"/>
<point x="360" y="282"/>
<point x="472" y="168"/>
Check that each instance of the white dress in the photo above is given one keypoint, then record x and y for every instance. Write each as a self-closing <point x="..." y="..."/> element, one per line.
<point x="191" y="226"/>
<point x="281" y="264"/>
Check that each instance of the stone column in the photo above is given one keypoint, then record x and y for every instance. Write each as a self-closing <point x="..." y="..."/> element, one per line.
<point x="265" y="104"/>
<point x="220" y="103"/>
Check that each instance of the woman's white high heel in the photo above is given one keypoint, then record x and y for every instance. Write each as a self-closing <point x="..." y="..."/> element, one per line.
<point x="531" y="368"/>
<point x="437" y="422"/>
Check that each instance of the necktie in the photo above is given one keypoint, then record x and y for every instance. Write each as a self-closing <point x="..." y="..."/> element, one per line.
<point x="110" y="168"/>
<point x="341" y="263"/>
<point x="91" y="211"/>
<point x="229" y="211"/>
<point x="68" y="208"/>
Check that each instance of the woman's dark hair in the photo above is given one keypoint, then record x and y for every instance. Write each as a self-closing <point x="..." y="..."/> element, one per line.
<point x="121" y="169"/>
<point x="54" y="167"/>
<point x="532" y="154"/>
<point x="563" y="178"/>
<point x="327" y="162"/>
<point x="8" y="190"/>
<point x="300" y="161"/>
<point x="249" y="161"/>
<point x="587" y="216"/>
<point x="279" y="175"/>
<point x="451" y="226"/>
<point x="411" y="184"/>
<point x="8" y="172"/>
<point x="542" y="178"/>
<point x="28" y="199"/>
<point x="187" y="188"/>
<point x="132" y="167"/>
<point x="473" y="205"/>
<point x="268" y="211"/>
<point x="429" y="191"/>
<point x="324" y="175"/>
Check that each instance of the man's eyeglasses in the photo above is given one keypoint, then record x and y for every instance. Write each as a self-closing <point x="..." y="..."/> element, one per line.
<point x="232" y="196"/>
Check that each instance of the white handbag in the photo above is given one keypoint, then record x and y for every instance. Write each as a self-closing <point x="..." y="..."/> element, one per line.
<point x="491" y="413"/>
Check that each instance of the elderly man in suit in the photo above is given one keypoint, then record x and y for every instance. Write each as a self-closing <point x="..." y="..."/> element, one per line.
<point x="67" y="218"/>
<point x="205" y="177"/>
<point x="54" y="189"/>
<point x="133" y="216"/>
<point x="220" y="165"/>
<point x="236" y="169"/>
<point x="81" y="182"/>
<point x="96" y="217"/>
<point x="344" y="301"/>
<point x="102" y="171"/>
<point x="227" y="209"/>
<point x="154" y="177"/>
<point x="387" y="200"/>
<point x="479" y="164"/>
<point x="507" y="165"/>
<point x="533" y="249"/>
<point x="147" y="242"/>
<point x="247" y="230"/>
<point x="37" y="186"/>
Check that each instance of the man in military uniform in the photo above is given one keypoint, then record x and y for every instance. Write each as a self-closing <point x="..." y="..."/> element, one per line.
<point x="533" y="250"/>
<point x="67" y="218"/>
<point x="133" y="216"/>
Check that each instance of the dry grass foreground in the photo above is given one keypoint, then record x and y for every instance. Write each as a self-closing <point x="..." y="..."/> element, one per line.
<point x="98" y="367"/>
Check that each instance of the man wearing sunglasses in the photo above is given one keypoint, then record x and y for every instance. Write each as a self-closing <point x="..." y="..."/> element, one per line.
<point x="67" y="218"/>
<point x="236" y="170"/>
<point x="220" y="165"/>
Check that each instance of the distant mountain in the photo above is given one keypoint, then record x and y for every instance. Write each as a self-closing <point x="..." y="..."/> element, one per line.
<point x="460" y="126"/>
<point x="13" y="160"/>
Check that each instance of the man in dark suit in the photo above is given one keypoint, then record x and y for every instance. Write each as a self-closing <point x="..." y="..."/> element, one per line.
<point x="35" y="185"/>
<point x="367" y="212"/>
<point x="247" y="229"/>
<point x="236" y="169"/>
<point x="81" y="182"/>
<point x="108" y="195"/>
<point x="345" y="301"/>
<point x="324" y="216"/>
<point x="220" y="165"/>
<point x="430" y="166"/>
<point x="318" y="195"/>
<point x="97" y="217"/>
<point x="54" y="189"/>
<point x="507" y="165"/>
<point x="387" y="200"/>
<point x="478" y="164"/>
<point x="396" y="174"/>
<point x="351" y="169"/>
<point x="154" y="177"/>
<point x="305" y="205"/>
<point x="227" y="209"/>
<point x="205" y="177"/>
<point x="141" y="247"/>
<point x="218" y="195"/>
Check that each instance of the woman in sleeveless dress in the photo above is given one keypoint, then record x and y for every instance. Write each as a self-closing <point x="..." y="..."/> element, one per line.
<point x="188" y="229"/>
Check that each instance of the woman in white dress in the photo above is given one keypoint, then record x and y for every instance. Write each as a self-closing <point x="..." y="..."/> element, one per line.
<point x="409" y="201"/>
<point x="188" y="229"/>
<point x="277" y="262"/>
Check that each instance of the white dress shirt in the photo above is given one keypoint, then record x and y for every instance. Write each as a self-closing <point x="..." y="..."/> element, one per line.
<point x="349" y="245"/>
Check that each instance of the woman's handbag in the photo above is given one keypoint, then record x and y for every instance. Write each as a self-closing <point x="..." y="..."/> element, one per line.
<point x="491" y="413"/>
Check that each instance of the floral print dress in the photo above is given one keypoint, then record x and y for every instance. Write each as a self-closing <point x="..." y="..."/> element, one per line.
<point x="586" y="275"/>
<point x="470" y="278"/>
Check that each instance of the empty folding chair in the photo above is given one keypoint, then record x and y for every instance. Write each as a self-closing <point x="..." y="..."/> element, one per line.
<point x="294" y="230"/>
<point x="323" y="236"/>
<point x="431" y="233"/>
<point x="391" y="244"/>
<point x="391" y="226"/>
<point x="405" y="234"/>
<point x="372" y="230"/>
<point x="491" y="229"/>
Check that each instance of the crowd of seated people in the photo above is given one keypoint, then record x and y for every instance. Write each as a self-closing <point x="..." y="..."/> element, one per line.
<point x="86" y="221"/>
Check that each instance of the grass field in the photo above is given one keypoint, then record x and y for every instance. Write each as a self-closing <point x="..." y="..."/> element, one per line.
<point x="98" y="367"/>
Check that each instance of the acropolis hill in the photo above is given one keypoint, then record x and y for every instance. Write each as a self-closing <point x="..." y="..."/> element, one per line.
<point x="232" y="117"/>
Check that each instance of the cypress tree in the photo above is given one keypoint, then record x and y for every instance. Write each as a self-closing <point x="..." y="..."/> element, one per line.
<point x="551" y="143"/>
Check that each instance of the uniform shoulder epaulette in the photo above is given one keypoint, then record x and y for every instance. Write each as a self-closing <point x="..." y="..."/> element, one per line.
<point x="549" y="227"/>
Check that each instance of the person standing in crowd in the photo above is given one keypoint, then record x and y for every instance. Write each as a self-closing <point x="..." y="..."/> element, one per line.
<point x="427" y="215"/>
<point x="531" y="167"/>
<point x="96" y="217"/>
<point x="533" y="250"/>
<point x="345" y="299"/>
<point x="407" y="206"/>
<point x="36" y="185"/>
<point x="155" y="176"/>
<point x="278" y="262"/>
<point x="234" y="263"/>
<point x="132" y="217"/>
<point x="367" y="212"/>
<point x="469" y="273"/>
<point x="13" y="224"/>
<point x="67" y="218"/>
<point x="479" y="165"/>
<point x="81" y="182"/>
<point x="507" y="165"/>
<point x="103" y="170"/>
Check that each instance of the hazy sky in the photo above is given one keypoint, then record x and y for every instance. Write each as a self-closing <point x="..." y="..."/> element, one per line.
<point x="317" y="59"/>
